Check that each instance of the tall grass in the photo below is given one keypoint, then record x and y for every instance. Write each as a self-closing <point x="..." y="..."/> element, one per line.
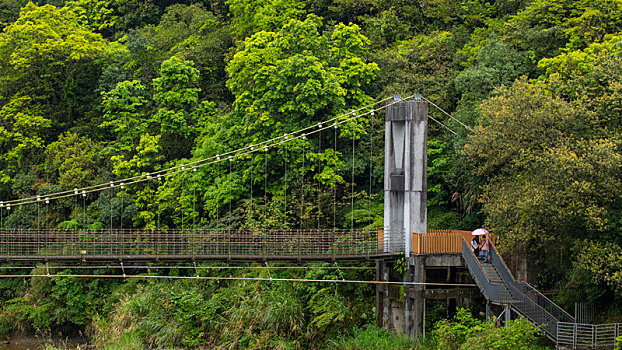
<point x="372" y="338"/>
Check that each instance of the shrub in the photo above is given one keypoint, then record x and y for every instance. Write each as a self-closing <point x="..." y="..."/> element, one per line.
<point x="371" y="338"/>
<point x="466" y="332"/>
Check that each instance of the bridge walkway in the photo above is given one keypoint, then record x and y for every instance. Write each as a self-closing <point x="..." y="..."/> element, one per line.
<point x="196" y="245"/>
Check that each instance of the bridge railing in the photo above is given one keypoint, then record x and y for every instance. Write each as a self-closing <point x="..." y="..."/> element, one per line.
<point x="530" y="302"/>
<point x="440" y="241"/>
<point x="207" y="244"/>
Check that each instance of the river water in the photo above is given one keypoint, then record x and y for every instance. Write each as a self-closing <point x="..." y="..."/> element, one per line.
<point x="34" y="343"/>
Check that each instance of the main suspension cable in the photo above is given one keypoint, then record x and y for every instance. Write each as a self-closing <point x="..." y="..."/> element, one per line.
<point x="98" y="187"/>
<point x="286" y="138"/>
<point x="449" y="115"/>
<point x="443" y="125"/>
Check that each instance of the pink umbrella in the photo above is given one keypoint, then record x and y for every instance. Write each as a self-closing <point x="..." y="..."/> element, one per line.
<point x="480" y="232"/>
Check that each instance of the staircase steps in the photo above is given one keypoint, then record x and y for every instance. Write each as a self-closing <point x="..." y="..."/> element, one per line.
<point x="494" y="277"/>
<point x="491" y="272"/>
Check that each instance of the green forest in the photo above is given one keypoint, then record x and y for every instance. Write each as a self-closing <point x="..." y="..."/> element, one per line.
<point x="97" y="90"/>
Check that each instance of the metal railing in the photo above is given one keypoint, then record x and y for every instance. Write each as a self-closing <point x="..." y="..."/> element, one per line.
<point x="534" y="312"/>
<point x="555" y="323"/>
<point x="529" y="302"/>
<point x="493" y="291"/>
<point x="593" y="336"/>
<point x="63" y="244"/>
<point x="521" y="297"/>
<point x="393" y="242"/>
<point x="527" y="290"/>
<point x="552" y="308"/>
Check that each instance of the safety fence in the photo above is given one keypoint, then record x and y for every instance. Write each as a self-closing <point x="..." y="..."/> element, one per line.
<point x="64" y="244"/>
<point x="519" y="296"/>
<point x="588" y="336"/>
<point x="441" y="241"/>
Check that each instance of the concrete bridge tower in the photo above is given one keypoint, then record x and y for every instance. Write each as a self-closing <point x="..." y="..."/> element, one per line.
<point x="405" y="168"/>
<point x="405" y="212"/>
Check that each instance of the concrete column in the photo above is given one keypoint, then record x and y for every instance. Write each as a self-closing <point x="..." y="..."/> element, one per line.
<point x="408" y="301"/>
<point x="379" y="295"/>
<point x="387" y="314"/>
<point x="405" y="172"/>
<point x="417" y="299"/>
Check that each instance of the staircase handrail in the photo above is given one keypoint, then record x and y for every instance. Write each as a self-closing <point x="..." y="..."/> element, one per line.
<point x="537" y="315"/>
<point x="561" y="314"/>
<point x="534" y="305"/>
<point x="546" y="303"/>
<point x="491" y="290"/>
<point x="500" y="265"/>
<point x="532" y="311"/>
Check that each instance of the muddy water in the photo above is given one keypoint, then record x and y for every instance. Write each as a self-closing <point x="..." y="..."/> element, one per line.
<point x="34" y="343"/>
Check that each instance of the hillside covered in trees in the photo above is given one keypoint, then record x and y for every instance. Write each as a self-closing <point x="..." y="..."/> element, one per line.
<point x="96" y="90"/>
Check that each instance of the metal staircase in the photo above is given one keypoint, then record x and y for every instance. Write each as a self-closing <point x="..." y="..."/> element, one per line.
<point x="499" y="287"/>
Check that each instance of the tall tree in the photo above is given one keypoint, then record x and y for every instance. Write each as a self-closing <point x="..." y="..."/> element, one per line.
<point x="49" y="57"/>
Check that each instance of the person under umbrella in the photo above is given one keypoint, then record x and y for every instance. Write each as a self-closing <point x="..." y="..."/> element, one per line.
<point x="479" y="232"/>
<point x="485" y="247"/>
<point x="475" y="245"/>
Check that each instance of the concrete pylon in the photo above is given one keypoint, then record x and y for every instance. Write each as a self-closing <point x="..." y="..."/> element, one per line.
<point x="405" y="172"/>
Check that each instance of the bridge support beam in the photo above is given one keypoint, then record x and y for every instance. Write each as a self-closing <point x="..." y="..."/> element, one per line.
<point x="405" y="172"/>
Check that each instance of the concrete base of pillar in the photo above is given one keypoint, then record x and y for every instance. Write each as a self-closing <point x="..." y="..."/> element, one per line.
<point x="402" y="310"/>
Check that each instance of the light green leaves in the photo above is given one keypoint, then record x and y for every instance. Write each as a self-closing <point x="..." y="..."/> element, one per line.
<point x="124" y="113"/>
<point x="251" y="16"/>
<point x="22" y="131"/>
<point x="176" y="92"/>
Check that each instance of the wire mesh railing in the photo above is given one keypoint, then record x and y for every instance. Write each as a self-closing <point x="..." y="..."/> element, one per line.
<point x="25" y="244"/>
<point x="546" y="303"/>
<point x="528" y="301"/>
<point x="492" y="291"/>
<point x="521" y="297"/>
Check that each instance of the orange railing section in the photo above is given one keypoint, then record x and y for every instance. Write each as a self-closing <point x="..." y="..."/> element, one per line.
<point x="441" y="241"/>
<point x="437" y="241"/>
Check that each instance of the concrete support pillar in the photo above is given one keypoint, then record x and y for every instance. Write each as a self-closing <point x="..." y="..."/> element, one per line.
<point x="405" y="173"/>
<point x="414" y="297"/>
<point x="379" y="295"/>
<point x="405" y="317"/>
<point x="387" y="307"/>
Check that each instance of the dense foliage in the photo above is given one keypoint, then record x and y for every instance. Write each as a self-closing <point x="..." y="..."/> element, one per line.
<point x="92" y="91"/>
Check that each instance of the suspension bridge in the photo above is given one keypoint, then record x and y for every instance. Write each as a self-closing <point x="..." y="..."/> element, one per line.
<point x="404" y="232"/>
<point x="185" y="243"/>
